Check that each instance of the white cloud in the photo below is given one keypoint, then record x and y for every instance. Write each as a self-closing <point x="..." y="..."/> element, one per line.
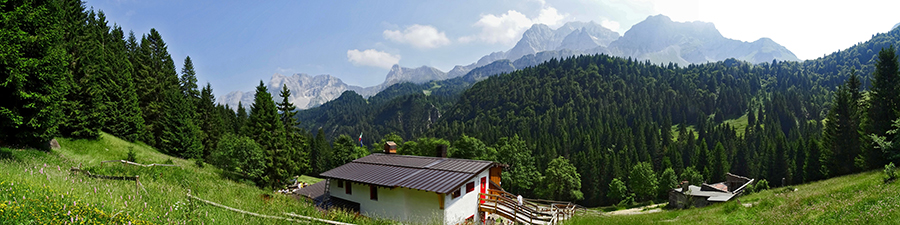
<point x="372" y="57"/>
<point x="550" y="16"/>
<point x="419" y="36"/>
<point x="508" y="28"/>
<point x="612" y="25"/>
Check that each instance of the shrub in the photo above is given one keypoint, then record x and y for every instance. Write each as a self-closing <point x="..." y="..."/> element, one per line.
<point x="761" y="185"/>
<point x="239" y="154"/>
<point x="199" y="162"/>
<point x="131" y="156"/>
<point x="891" y="172"/>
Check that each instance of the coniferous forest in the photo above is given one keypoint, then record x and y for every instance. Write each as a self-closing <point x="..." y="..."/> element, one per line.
<point x="591" y="129"/>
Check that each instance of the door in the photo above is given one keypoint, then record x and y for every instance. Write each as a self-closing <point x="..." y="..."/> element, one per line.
<point x="483" y="187"/>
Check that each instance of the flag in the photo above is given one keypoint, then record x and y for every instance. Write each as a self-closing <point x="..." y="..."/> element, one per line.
<point x="360" y="140"/>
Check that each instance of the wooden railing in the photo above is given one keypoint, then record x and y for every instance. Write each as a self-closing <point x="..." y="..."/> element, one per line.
<point x="740" y="190"/>
<point x="531" y="211"/>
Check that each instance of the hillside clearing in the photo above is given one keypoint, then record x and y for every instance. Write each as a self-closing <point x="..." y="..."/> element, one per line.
<point x="853" y="199"/>
<point x="32" y="178"/>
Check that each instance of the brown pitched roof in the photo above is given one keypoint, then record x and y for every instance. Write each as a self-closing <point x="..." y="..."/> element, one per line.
<point x="433" y="174"/>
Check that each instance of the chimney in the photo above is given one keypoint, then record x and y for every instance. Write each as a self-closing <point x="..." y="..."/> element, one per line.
<point x="390" y="147"/>
<point x="441" y="151"/>
<point x="685" y="186"/>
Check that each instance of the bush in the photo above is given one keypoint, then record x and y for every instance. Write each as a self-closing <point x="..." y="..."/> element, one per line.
<point x="891" y="172"/>
<point x="761" y="185"/>
<point x="131" y="156"/>
<point x="241" y="155"/>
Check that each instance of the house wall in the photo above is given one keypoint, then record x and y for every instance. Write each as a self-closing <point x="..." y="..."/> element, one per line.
<point x="400" y="204"/>
<point x="466" y="205"/>
<point x="422" y="207"/>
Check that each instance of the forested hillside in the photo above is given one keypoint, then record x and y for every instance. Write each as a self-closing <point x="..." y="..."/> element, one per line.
<point x="605" y="114"/>
<point x="66" y="72"/>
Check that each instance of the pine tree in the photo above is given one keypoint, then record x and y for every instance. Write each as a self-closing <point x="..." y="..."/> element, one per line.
<point x="126" y="120"/>
<point x="85" y="103"/>
<point x="884" y="101"/>
<point x="321" y="153"/>
<point x="296" y="143"/>
<point x="241" y="118"/>
<point x="179" y="134"/>
<point x="188" y="81"/>
<point x="264" y="126"/>
<point x="33" y="71"/>
<point x="154" y="76"/>
<point x="287" y="110"/>
<point x="841" y="133"/>
<point x="210" y="120"/>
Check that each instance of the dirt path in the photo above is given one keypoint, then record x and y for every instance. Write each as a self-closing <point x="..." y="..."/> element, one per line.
<point x="638" y="210"/>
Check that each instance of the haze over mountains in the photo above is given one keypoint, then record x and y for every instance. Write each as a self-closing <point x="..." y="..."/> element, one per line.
<point x="657" y="38"/>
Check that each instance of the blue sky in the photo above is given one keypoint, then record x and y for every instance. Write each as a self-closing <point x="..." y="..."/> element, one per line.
<point x="234" y="44"/>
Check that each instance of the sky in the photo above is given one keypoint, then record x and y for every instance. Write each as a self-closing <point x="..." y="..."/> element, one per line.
<point x="235" y="44"/>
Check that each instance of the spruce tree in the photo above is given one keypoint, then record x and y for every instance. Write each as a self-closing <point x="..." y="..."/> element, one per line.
<point x="154" y="76"/>
<point x="188" y="81"/>
<point x="884" y="101"/>
<point x="240" y="118"/>
<point x="841" y="133"/>
<point x="126" y="120"/>
<point x="85" y="105"/>
<point x="33" y="71"/>
<point x="321" y="154"/>
<point x="297" y="145"/>
<point x="179" y="135"/>
<point x="210" y="120"/>
<point x="264" y="126"/>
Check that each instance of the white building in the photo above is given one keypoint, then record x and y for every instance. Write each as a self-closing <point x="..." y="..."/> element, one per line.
<point x="412" y="189"/>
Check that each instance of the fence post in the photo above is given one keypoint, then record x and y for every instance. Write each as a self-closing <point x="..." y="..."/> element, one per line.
<point x="137" y="184"/>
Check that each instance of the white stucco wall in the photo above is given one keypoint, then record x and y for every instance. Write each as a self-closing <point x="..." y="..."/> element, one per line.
<point x="466" y="205"/>
<point x="400" y="204"/>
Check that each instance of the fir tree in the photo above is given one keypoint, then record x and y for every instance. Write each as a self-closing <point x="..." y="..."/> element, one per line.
<point x="884" y="100"/>
<point x="841" y="133"/>
<point x="264" y="126"/>
<point x="32" y="67"/>
<point x="179" y="134"/>
<point x="210" y="120"/>
<point x="188" y="81"/>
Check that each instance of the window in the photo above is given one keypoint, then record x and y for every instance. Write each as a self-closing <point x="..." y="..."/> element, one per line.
<point x="373" y="192"/>
<point x="455" y="194"/>
<point x="470" y="187"/>
<point x="348" y="190"/>
<point x="340" y="183"/>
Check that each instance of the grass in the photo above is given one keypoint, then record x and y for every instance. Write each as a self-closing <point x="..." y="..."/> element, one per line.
<point x="739" y="124"/>
<point x="36" y="186"/>
<point x="854" y="199"/>
<point x="676" y="136"/>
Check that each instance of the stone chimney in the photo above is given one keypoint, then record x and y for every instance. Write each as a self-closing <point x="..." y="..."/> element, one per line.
<point x="441" y="151"/>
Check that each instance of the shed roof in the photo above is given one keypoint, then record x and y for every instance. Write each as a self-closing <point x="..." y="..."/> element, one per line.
<point x="433" y="174"/>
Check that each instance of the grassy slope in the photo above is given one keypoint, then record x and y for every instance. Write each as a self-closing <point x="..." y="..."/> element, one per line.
<point x="43" y="177"/>
<point x="854" y="199"/>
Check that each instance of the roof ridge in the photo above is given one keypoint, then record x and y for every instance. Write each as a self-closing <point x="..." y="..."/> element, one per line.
<point x="428" y="157"/>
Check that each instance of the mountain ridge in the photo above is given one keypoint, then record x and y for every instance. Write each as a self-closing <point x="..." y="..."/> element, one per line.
<point x="657" y="39"/>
